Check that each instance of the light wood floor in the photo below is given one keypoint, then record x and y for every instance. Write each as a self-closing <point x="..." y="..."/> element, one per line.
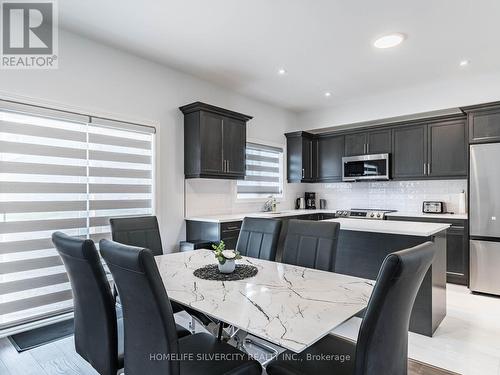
<point x="60" y="358"/>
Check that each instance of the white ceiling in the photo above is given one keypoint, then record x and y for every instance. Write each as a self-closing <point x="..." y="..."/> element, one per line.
<point x="325" y="45"/>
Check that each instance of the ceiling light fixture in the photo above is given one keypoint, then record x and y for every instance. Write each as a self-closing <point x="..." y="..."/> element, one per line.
<point x="464" y="62"/>
<point x="389" y="40"/>
<point x="281" y="71"/>
<point x="328" y="94"/>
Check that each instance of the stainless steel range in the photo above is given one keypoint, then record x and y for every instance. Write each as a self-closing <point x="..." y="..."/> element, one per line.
<point x="361" y="213"/>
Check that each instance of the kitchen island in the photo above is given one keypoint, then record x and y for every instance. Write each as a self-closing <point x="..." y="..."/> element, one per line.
<point x="364" y="244"/>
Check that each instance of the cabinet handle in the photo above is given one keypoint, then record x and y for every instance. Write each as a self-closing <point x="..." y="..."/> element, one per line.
<point x="428" y="168"/>
<point x="303" y="172"/>
<point x="227" y="163"/>
<point x="367" y="148"/>
<point x="317" y="160"/>
<point x="425" y="169"/>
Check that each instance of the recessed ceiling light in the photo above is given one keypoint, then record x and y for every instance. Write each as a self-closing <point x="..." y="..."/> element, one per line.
<point x="282" y="71"/>
<point x="464" y="62"/>
<point x="328" y="94"/>
<point x="389" y="40"/>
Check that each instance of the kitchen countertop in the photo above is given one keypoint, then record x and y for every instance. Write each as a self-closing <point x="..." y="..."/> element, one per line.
<point x="225" y="218"/>
<point x="427" y="216"/>
<point x="407" y="228"/>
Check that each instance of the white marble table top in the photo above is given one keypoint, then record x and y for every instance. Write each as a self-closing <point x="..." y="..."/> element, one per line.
<point x="290" y="306"/>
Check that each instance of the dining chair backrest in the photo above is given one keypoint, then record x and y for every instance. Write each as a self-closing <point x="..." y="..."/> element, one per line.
<point x="148" y="318"/>
<point x="96" y="335"/>
<point x="311" y="244"/>
<point x="140" y="231"/>
<point x="258" y="238"/>
<point x="382" y="345"/>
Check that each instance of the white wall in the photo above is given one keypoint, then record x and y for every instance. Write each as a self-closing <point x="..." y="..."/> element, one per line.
<point x="100" y="80"/>
<point x="472" y="89"/>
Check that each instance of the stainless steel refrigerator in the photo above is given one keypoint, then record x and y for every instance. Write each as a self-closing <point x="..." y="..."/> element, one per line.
<point x="484" y="216"/>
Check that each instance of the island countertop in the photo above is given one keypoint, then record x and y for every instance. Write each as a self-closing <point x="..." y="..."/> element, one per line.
<point x="406" y="228"/>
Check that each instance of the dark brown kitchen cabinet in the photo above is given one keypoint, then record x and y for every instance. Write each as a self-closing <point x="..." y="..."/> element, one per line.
<point x="302" y="157"/>
<point x="330" y="152"/>
<point x="484" y="123"/>
<point x="355" y="144"/>
<point x="372" y="142"/>
<point x="435" y="150"/>
<point x="457" y="246"/>
<point x="214" y="142"/>
<point x="447" y="150"/>
<point x="409" y="152"/>
<point x="234" y="140"/>
<point x="214" y="232"/>
<point x="379" y="142"/>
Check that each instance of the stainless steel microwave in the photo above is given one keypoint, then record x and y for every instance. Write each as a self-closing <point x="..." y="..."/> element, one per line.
<point x="365" y="167"/>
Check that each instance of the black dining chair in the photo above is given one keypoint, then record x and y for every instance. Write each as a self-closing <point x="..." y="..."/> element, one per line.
<point x="98" y="334"/>
<point x="311" y="244"/>
<point x="140" y="231"/>
<point x="150" y="326"/>
<point x="382" y="345"/>
<point x="258" y="238"/>
<point x="144" y="231"/>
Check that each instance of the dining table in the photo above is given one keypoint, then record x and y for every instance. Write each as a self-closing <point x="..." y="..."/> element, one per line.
<point x="287" y="305"/>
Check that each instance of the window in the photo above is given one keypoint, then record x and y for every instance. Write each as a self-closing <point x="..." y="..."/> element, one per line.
<point x="67" y="172"/>
<point x="264" y="172"/>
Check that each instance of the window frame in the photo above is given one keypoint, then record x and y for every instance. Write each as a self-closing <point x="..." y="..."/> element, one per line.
<point x="62" y="113"/>
<point x="279" y="197"/>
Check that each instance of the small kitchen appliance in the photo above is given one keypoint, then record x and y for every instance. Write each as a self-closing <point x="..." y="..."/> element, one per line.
<point x="322" y="204"/>
<point x="433" y="207"/>
<point x="310" y="201"/>
<point x="300" y="203"/>
<point x="365" y="167"/>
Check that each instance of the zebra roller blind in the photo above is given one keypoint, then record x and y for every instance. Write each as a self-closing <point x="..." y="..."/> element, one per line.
<point x="66" y="172"/>
<point x="264" y="172"/>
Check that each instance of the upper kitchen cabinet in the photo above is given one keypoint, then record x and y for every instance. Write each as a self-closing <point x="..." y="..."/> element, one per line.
<point x="302" y="157"/>
<point x="214" y="142"/>
<point x="447" y="150"/>
<point x="379" y="142"/>
<point x="484" y="123"/>
<point x="434" y="150"/>
<point x="355" y="144"/>
<point x="330" y="152"/>
<point x="372" y="142"/>
<point x="409" y="156"/>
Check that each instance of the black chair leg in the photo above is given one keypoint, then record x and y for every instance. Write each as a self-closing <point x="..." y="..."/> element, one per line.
<point x="219" y="335"/>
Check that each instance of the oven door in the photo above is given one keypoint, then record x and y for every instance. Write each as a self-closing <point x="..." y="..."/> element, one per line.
<point x="365" y="167"/>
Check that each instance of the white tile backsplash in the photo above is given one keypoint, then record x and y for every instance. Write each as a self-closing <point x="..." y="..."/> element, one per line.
<point x="212" y="197"/>
<point x="406" y="196"/>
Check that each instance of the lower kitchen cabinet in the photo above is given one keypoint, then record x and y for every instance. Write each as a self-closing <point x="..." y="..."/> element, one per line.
<point x="457" y="247"/>
<point x="214" y="232"/>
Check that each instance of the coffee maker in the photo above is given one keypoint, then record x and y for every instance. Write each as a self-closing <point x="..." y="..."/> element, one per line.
<point x="310" y="201"/>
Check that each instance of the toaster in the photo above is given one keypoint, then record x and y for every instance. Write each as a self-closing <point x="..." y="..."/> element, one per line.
<point x="433" y="207"/>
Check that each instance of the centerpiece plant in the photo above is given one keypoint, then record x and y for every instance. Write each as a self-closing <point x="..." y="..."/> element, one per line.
<point x="227" y="258"/>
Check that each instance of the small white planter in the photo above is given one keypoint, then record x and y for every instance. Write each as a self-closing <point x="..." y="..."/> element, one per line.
<point x="228" y="266"/>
